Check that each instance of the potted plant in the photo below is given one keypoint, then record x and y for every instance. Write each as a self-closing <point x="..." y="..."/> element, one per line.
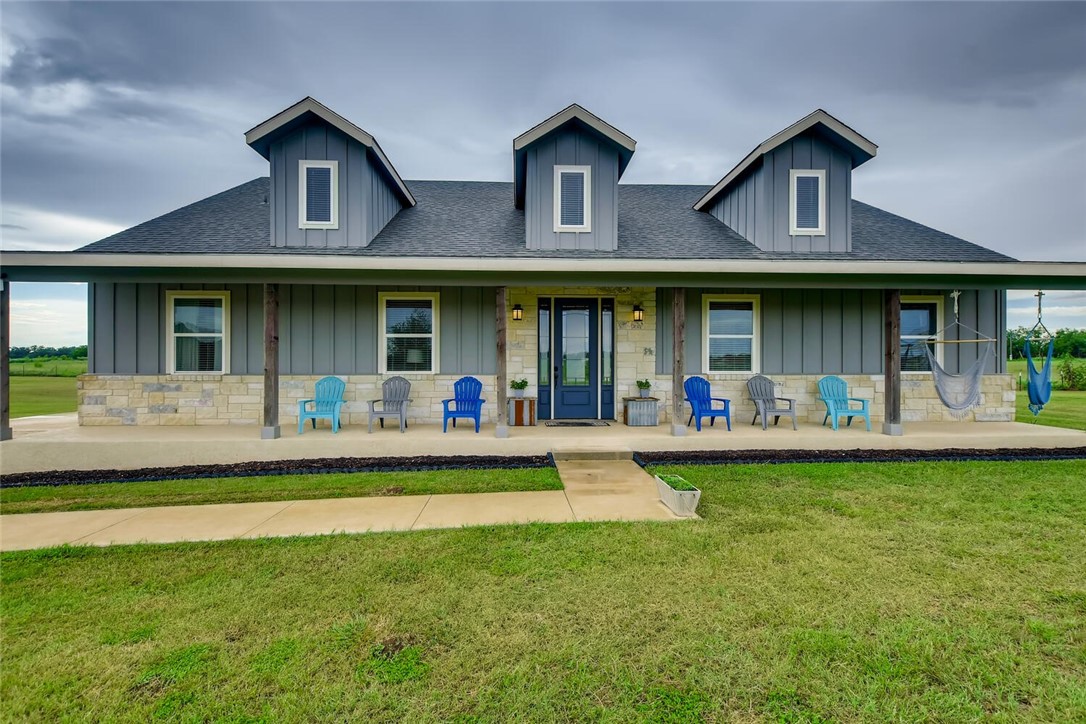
<point x="678" y="494"/>
<point x="518" y="387"/>
<point x="644" y="387"/>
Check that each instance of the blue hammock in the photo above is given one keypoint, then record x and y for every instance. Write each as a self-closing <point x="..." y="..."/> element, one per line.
<point x="1040" y="382"/>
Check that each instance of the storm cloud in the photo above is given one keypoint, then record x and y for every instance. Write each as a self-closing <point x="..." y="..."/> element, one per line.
<point x="114" y="113"/>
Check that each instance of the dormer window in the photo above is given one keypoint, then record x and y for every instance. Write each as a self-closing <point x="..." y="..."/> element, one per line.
<point x="807" y="202"/>
<point x="572" y="198"/>
<point x="318" y="195"/>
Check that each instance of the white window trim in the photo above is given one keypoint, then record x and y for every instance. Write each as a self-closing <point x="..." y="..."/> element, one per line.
<point x="171" y="336"/>
<point x="755" y="338"/>
<point x="939" y="303"/>
<point x="435" y="349"/>
<point x="793" y="174"/>
<point x="302" y="210"/>
<point x="557" y="200"/>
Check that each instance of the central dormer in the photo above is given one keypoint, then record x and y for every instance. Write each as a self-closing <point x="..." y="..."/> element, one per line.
<point x="565" y="177"/>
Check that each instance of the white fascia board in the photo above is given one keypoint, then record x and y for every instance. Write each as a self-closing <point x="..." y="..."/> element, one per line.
<point x="562" y="117"/>
<point x="326" y="114"/>
<point x="830" y="267"/>
<point x="819" y="116"/>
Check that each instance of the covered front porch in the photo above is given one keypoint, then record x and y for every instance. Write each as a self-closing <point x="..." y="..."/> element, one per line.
<point x="59" y="443"/>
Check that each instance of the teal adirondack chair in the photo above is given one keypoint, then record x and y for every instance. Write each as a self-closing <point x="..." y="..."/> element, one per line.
<point x="326" y="404"/>
<point x="834" y="392"/>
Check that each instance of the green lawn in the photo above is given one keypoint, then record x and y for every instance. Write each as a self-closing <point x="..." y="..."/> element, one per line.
<point x="272" y="487"/>
<point x="1066" y="408"/>
<point x="42" y="395"/>
<point x="875" y="592"/>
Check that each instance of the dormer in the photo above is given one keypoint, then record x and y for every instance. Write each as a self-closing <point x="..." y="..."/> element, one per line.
<point x="331" y="184"/>
<point x="793" y="193"/>
<point x="565" y="177"/>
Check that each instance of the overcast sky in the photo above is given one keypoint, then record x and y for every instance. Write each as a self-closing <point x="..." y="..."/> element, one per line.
<point x="115" y="113"/>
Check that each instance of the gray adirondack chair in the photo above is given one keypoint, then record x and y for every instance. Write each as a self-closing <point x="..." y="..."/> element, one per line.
<point x="760" y="389"/>
<point x="395" y="397"/>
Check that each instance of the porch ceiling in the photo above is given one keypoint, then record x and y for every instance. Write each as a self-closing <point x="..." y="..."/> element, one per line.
<point x="75" y="266"/>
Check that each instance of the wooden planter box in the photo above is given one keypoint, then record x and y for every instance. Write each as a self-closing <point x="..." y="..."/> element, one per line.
<point x="522" y="411"/>
<point x="641" y="411"/>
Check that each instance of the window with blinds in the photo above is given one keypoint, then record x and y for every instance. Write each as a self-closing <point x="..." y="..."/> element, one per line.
<point x="920" y="321"/>
<point x="572" y="210"/>
<point x="731" y="334"/>
<point x="198" y="327"/>
<point x="409" y="333"/>
<point x="807" y="202"/>
<point x="317" y="195"/>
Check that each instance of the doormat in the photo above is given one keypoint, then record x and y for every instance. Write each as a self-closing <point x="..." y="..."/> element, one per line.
<point x="577" y="423"/>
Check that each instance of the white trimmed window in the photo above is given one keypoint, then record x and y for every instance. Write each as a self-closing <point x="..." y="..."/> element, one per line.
<point x="807" y="202"/>
<point x="921" y="318"/>
<point x="732" y="333"/>
<point x="198" y="325"/>
<point x="318" y="194"/>
<point x="573" y="198"/>
<point x="409" y="341"/>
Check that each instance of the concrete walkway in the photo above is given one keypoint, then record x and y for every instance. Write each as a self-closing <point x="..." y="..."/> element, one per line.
<point x="594" y="491"/>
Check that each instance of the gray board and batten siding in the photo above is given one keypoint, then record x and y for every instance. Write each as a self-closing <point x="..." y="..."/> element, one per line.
<point x="833" y="331"/>
<point x="367" y="199"/>
<point x="572" y="145"/>
<point x="323" y="328"/>
<point x="757" y="204"/>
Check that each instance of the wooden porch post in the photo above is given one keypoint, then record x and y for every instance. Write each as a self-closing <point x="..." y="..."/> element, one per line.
<point x="502" y="428"/>
<point x="678" y="360"/>
<point x="270" y="431"/>
<point x="5" y="371"/>
<point x="892" y="364"/>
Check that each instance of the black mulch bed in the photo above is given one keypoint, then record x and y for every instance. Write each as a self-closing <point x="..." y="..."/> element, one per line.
<point x="279" y="467"/>
<point x="739" y="457"/>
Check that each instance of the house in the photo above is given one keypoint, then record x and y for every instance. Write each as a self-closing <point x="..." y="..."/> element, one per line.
<point x="228" y="310"/>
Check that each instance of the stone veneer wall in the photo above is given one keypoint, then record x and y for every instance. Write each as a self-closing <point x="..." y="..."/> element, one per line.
<point x="238" y="399"/>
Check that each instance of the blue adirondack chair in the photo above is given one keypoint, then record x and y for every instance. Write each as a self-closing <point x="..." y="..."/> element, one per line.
<point x="327" y="403"/>
<point x="466" y="403"/>
<point x="701" y="403"/>
<point x="834" y="392"/>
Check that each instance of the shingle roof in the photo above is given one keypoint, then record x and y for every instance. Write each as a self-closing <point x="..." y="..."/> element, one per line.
<point x="478" y="219"/>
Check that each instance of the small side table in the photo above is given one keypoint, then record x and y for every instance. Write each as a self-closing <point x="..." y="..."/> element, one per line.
<point x="641" y="411"/>
<point x="522" y="411"/>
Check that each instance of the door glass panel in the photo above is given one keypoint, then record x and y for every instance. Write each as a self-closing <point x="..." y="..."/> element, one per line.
<point x="575" y="359"/>
<point x="544" y="345"/>
<point x="607" y="345"/>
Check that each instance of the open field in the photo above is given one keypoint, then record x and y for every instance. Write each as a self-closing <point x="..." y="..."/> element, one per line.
<point x="48" y="367"/>
<point x="906" y="592"/>
<point x="42" y="395"/>
<point x="272" y="487"/>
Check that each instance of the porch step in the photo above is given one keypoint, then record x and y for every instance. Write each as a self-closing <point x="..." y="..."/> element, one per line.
<point x="589" y="454"/>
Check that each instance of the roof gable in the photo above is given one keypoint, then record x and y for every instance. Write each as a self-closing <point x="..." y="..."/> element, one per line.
<point x="261" y="136"/>
<point x="859" y="148"/>
<point x="583" y="119"/>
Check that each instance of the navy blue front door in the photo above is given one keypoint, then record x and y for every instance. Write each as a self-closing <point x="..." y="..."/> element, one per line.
<point x="576" y="361"/>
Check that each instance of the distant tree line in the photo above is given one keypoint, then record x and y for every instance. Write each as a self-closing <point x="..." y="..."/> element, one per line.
<point x="1069" y="343"/>
<point x="35" y="351"/>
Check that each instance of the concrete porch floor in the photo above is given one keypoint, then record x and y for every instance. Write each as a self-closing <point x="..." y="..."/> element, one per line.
<point x="57" y="443"/>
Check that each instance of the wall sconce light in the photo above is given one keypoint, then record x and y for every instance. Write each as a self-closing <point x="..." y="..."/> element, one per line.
<point x="638" y="313"/>
<point x="518" y="312"/>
